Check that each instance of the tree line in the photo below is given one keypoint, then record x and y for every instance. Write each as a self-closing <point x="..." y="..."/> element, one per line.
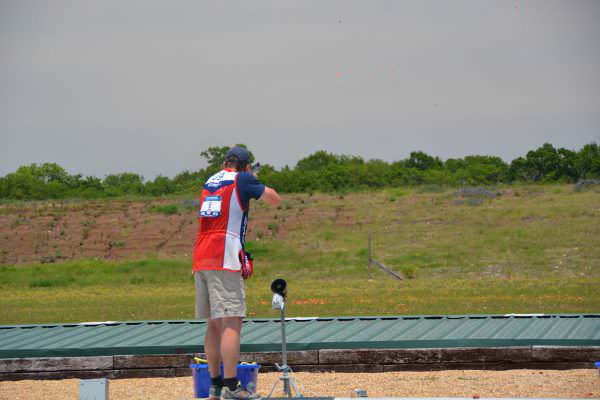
<point x="320" y="171"/>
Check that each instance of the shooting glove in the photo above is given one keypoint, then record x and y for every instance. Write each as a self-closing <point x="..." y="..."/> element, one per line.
<point x="247" y="265"/>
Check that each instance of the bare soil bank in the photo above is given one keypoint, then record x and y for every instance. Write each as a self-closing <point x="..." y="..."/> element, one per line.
<point x="53" y="231"/>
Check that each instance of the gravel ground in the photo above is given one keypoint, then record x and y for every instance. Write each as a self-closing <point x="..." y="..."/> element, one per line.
<point x="582" y="383"/>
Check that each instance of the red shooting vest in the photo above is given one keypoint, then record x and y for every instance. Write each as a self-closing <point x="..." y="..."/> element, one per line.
<point x="221" y="226"/>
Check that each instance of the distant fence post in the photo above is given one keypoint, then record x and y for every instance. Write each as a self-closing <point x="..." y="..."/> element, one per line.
<point x="380" y="265"/>
<point x="369" y="250"/>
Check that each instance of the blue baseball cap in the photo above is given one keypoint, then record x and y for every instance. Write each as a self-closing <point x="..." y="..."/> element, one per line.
<point x="240" y="153"/>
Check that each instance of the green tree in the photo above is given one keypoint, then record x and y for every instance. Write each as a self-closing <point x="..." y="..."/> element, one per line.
<point x="161" y="185"/>
<point x="317" y="161"/>
<point x="423" y="161"/>
<point x="187" y="181"/>
<point x="320" y="171"/>
<point x="36" y="181"/>
<point x="478" y="170"/>
<point x="215" y="156"/>
<point x="541" y="164"/>
<point x="22" y="185"/>
<point x="567" y="170"/>
<point x="455" y="164"/>
<point x="587" y="161"/>
<point x="123" y="183"/>
<point x="91" y="182"/>
<point x="518" y="170"/>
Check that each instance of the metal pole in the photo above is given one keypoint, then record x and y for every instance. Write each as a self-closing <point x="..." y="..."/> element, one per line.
<point x="283" y="342"/>
<point x="285" y="378"/>
<point x="369" y="250"/>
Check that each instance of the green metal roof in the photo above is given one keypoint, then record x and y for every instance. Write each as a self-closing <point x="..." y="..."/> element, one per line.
<point x="172" y="337"/>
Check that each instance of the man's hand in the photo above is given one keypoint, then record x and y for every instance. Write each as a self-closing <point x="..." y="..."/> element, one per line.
<point x="271" y="197"/>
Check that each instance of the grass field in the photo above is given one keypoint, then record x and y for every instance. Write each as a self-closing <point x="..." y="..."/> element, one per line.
<point x="523" y="249"/>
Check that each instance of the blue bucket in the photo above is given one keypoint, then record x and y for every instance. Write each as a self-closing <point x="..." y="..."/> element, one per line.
<point x="247" y="374"/>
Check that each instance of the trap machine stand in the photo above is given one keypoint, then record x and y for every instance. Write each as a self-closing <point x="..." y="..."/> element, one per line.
<point x="279" y="289"/>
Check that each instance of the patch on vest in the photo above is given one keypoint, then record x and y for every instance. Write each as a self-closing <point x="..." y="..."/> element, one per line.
<point x="211" y="207"/>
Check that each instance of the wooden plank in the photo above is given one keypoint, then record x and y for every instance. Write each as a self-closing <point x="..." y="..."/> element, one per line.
<point x="55" y="364"/>
<point x="424" y="356"/>
<point x="293" y="357"/>
<point x="443" y="366"/>
<point x="270" y="368"/>
<point x="17" y="376"/>
<point x="184" y="360"/>
<point x="379" y="356"/>
<point x="564" y="353"/>
<point x="143" y="373"/>
<point x="362" y="360"/>
<point x="495" y="366"/>
<point x="272" y="357"/>
<point x="431" y="366"/>
<point x="339" y="368"/>
<point x="486" y="354"/>
<point x="152" y="361"/>
<point x="183" y="371"/>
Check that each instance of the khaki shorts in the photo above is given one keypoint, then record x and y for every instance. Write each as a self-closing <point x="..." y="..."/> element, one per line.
<point x="219" y="294"/>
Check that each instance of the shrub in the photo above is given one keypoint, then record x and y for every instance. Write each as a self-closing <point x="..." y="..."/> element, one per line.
<point x="327" y="235"/>
<point x="168" y="209"/>
<point x="409" y="272"/>
<point x="273" y="227"/>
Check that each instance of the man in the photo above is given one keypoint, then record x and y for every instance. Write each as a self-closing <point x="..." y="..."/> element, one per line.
<point x="221" y="264"/>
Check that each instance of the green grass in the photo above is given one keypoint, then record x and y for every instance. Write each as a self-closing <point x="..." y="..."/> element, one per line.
<point x="535" y="252"/>
<point x="167" y="209"/>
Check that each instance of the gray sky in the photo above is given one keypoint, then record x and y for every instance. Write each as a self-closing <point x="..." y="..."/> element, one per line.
<point x="143" y="86"/>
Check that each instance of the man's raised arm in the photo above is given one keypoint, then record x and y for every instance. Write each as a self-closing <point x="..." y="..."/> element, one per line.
<point x="271" y="197"/>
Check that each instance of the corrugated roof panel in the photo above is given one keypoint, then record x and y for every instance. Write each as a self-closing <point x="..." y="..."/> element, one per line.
<point x="454" y="327"/>
<point x="442" y="330"/>
<point x="303" y="329"/>
<point x="183" y="334"/>
<point x="410" y="327"/>
<point x="524" y="330"/>
<point x="153" y="337"/>
<point x="323" y="332"/>
<point x="86" y="339"/>
<point x="25" y="336"/>
<point x="581" y="329"/>
<point x="259" y="331"/>
<point x="416" y="329"/>
<point x="74" y="334"/>
<point x="545" y="326"/>
<point x="168" y="337"/>
<point x="497" y="327"/>
<point x="551" y="328"/>
<point x="382" y="330"/>
<point x="189" y="332"/>
<point x="477" y="328"/>
<point x="95" y="335"/>
<point x="346" y="330"/>
<point x="561" y="327"/>
<point x="369" y="331"/>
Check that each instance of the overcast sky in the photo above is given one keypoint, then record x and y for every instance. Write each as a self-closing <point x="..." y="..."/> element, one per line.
<point x="144" y="86"/>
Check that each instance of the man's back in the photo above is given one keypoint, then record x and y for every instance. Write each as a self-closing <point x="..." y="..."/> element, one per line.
<point x="223" y="219"/>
